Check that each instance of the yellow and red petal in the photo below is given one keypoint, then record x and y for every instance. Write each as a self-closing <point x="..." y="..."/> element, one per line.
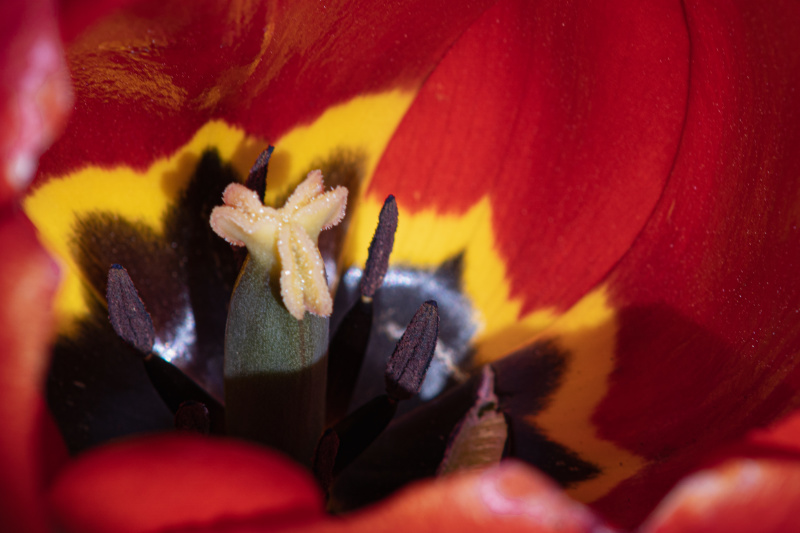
<point x="633" y="198"/>
<point x="160" y="483"/>
<point x="707" y="297"/>
<point x="538" y="149"/>
<point x="29" y="445"/>
<point x="147" y="77"/>
<point x="35" y="92"/>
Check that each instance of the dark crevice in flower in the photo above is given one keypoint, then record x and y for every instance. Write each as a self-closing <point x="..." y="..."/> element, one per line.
<point x="404" y="374"/>
<point x="193" y="417"/>
<point x="524" y="382"/>
<point x="346" y="353"/>
<point x="97" y="388"/>
<point x="413" y="445"/>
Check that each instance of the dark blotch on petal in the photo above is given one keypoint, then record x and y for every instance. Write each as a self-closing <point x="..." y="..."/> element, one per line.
<point x="524" y="381"/>
<point x="346" y="168"/>
<point x="185" y="277"/>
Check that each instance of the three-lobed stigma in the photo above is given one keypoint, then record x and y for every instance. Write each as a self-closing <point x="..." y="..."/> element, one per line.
<point x="285" y="239"/>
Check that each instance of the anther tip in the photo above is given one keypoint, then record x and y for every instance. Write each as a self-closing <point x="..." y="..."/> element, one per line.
<point x="380" y="249"/>
<point x="126" y="311"/>
<point x="409" y="363"/>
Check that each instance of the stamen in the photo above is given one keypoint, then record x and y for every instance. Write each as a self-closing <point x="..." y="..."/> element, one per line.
<point x="405" y="372"/>
<point x="132" y="322"/>
<point x="345" y="357"/>
<point x="175" y="388"/>
<point x="193" y="417"/>
<point x="257" y="179"/>
<point x="349" y="345"/>
<point x="480" y="437"/>
<point x="325" y="459"/>
<point x="126" y="311"/>
<point x="379" y="249"/>
<point x="412" y="356"/>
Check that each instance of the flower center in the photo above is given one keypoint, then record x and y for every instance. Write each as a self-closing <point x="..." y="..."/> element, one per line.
<point x="276" y="342"/>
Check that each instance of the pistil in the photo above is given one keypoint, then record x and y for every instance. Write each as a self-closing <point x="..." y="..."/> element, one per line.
<point x="277" y="331"/>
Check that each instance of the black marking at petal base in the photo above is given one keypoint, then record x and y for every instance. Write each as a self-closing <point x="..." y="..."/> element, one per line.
<point x="97" y="388"/>
<point x="347" y="168"/>
<point x="184" y="276"/>
<point x="524" y="382"/>
<point x="126" y="311"/>
<point x="257" y="178"/>
<point x="412" y="356"/>
<point x="208" y="267"/>
<point x="380" y="248"/>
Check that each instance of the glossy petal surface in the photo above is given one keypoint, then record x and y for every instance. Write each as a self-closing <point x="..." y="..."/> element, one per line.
<point x="509" y="498"/>
<point x="28" y="443"/>
<point x="148" y="76"/>
<point x="755" y="488"/>
<point x="159" y="483"/>
<point x="35" y="93"/>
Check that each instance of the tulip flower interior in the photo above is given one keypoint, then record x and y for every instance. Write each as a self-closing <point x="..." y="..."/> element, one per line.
<point x="570" y="239"/>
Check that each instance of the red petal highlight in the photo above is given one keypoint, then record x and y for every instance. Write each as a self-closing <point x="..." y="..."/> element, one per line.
<point x="511" y="498"/>
<point x="35" y="94"/>
<point x="569" y="127"/>
<point x="149" y="75"/>
<point x="755" y="488"/>
<point x="164" y="482"/>
<point x="709" y="321"/>
<point x="28" y="444"/>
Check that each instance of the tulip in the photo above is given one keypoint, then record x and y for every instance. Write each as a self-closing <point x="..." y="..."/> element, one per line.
<point x="602" y="197"/>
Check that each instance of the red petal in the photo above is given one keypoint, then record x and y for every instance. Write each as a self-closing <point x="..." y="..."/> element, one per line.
<point x="709" y="322"/>
<point x="28" y="445"/>
<point x="147" y="77"/>
<point x="511" y="497"/>
<point x="163" y="482"/>
<point x="756" y="493"/>
<point x="568" y="127"/>
<point x="35" y="93"/>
